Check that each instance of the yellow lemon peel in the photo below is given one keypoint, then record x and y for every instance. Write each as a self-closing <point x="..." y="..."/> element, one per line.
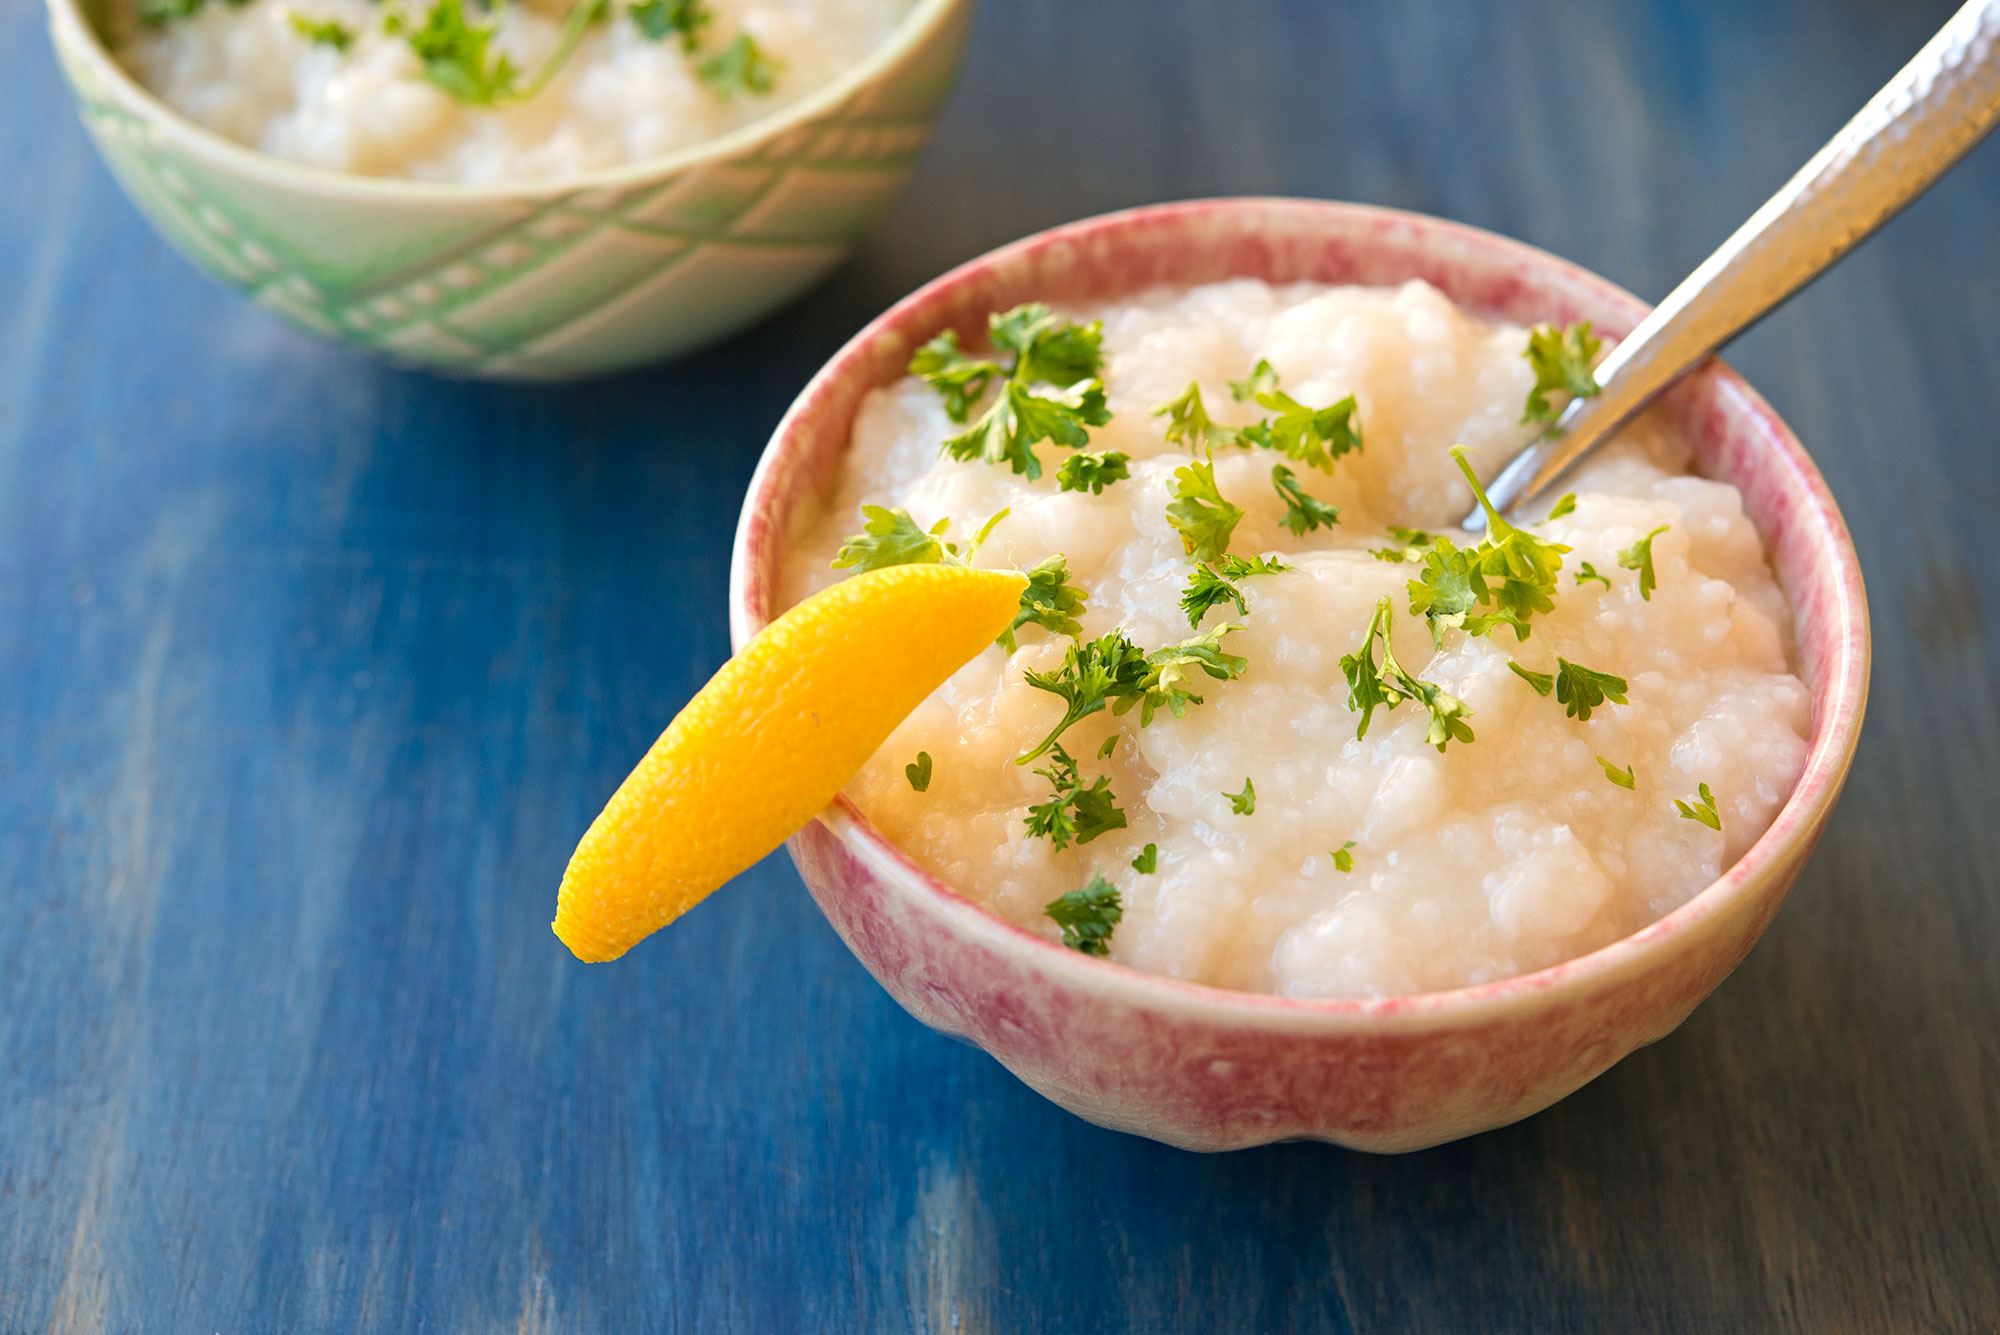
<point x="770" y="740"/>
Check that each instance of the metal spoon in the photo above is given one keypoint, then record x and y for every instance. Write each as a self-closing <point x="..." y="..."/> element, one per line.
<point x="1911" y="133"/>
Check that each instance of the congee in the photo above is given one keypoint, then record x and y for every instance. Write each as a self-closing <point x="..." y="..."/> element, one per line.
<point x="457" y="90"/>
<point x="1269" y="719"/>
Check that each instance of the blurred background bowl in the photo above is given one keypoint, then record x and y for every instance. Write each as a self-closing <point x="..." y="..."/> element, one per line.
<point x="1210" y="1069"/>
<point x="571" y="276"/>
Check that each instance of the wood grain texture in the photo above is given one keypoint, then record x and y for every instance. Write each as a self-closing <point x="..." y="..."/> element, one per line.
<point x="312" y="670"/>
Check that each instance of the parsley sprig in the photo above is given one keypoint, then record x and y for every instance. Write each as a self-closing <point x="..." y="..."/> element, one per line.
<point x="1303" y="514"/>
<point x="1092" y="471"/>
<point x="1701" y="809"/>
<point x="1189" y="424"/>
<point x="1245" y="802"/>
<point x="1577" y="688"/>
<point x="1204" y="518"/>
<point x="739" y="69"/>
<point x="1087" y="916"/>
<point x="1639" y="557"/>
<point x="1093" y="674"/>
<point x="158" y="13"/>
<point x="1624" y="778"/>
<point x="1311" y="436"/>
<point x="322" y="32"/>
<point x="1411" y="544"/>
<point x="1075" y="813"/>
<point x="658" y="20"/>
<point x="1261" y="380"/>
<point x="1112" y="672"/>
<point x="1314" y="437"/>
<point x="457" y="57"/>
<point x="1382" y="682"/>
<point x="1050" y="601"/>
<point x="1170" y="672"/>
<point x="1048" y="350"/>
<point x="453" y="51"/>
<point x="1212" y="586"/>
<point x="1524" y="567"/>
<point x="889" y="537"/>
<point x="1561" y="359"/>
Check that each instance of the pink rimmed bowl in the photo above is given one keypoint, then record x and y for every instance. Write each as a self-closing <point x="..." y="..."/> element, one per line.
<point x="1210" y="1069"/>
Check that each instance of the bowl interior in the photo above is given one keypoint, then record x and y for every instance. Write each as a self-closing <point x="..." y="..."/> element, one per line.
<point x="1736" y="438"/>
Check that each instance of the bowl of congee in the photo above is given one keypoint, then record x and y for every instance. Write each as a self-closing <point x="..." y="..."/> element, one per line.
<point x="1287" y="807"/>
<point x="520" y="188"/>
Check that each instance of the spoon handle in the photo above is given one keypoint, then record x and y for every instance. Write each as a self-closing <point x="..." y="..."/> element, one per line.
<point x="1912" y="132"/>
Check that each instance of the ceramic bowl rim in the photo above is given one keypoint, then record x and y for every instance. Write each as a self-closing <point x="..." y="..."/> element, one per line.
<point x="1791" y="834"/>
<point x="75" y="31"/>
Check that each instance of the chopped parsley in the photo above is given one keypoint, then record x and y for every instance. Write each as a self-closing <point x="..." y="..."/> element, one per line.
<point x="1567" y="505"/>
<point x="658" y="20"/>
<point x="1189" y="424"/>
<point x="1050" y="601"/>
<point x="1148" y="860"/>
<point x="1343" y="859"/>
<point x="1703" y="809"/>
<point x="1579" y="689"/>
<point x="1108" y="745"/>
<point x="1303" y="514"/>
<point x="1587" y="571"/>
<point x="1261" y="380"/>
<point x="1383" y="682"/>
<point x="1210" y="587"/>
<point x="1200" y="513"/>
<point x="1561" y="359"/>
<point x="1074" y="814"/>
<point x="322" y="32"/>
<point x="1639" y="557"/>
<point x="739" y="69"/>
<point x="1047" y="350"/>
<point x="1245" y="802"/>
<point x="1092" y="470"/>
<point x="919" y="774"/>
<point x="1087" y="916"/>
<point x="1624" y="778"/>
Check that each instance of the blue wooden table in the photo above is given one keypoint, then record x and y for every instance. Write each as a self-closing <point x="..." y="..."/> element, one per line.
<point x="312" y="670"/>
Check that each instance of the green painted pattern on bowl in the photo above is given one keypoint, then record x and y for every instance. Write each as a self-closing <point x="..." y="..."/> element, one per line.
<point x="542" y="280"/>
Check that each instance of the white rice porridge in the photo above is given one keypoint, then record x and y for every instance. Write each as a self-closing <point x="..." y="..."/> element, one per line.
<point x="1498" y="856"/>
<point x="358" y="100"/>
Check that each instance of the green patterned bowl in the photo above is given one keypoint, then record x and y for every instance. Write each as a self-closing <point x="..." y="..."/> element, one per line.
<point x="573" y="276"/>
